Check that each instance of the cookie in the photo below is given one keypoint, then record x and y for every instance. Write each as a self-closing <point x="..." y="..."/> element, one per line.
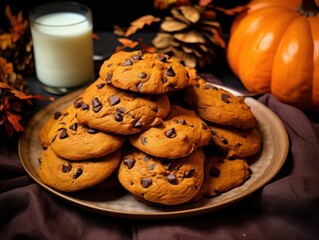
<point x="150" y="73"/>
<point x="110" y="109"/>
<point x="218" y="106"/>
<point x="74" y="141"/>
<point x="221" y="175"/>
<point x="180" y="133"/>
<point x="236" y="143"/>
<point x="45" y="140"/>
<point x="162" y="181"/>
<point x="70" y="176"/>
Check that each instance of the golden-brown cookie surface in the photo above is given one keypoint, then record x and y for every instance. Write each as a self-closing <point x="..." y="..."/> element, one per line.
<point x="73" y="141"/>
<point x="145" y="73"/>
<point x="45" y="140"/>
<point x="110" y="109"/>
<point x="222" y="175"/>
<point x="236" y="143"/>
<point x="70" y="176"/>
<point x="181" y="132"/>
<point x="219" y="106"/>
<point x="159" y="180"/>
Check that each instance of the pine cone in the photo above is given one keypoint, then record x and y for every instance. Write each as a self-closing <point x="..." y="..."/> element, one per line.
<point x="190" y="35"/>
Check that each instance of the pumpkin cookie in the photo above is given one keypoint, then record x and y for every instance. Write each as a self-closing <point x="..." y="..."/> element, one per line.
<point x="70" y="176"/>
<point x="73" y="141"/>
<point x="234" y="142"/>
<point x="111" y="109"/>
<point x="162" y="181"/>
<point x="218" y="106"/>
<point x="150" y="73"/>
<point x="180" y="133"/>
<point x="221" y="175"/>
<point x="45" y="140"/>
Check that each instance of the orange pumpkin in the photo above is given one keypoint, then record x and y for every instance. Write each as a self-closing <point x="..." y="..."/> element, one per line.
<point x="274" y="47"/>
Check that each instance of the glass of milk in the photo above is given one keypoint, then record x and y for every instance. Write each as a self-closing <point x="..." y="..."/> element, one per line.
<point x="62" y="45"/>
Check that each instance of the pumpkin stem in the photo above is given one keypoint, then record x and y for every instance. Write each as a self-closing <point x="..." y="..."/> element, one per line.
<point x="308" y="8"/>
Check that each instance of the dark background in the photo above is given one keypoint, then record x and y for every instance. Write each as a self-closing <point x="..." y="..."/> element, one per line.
<point x="120" y="12"/>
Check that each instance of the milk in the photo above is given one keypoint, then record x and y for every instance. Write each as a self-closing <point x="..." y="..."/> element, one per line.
<point x="63" y="49"/>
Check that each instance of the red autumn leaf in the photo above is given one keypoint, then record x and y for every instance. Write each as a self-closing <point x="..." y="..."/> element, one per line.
<point x="14" y="120"/>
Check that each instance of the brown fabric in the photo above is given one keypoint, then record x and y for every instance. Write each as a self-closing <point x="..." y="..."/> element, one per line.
<point x="286" y="208"/>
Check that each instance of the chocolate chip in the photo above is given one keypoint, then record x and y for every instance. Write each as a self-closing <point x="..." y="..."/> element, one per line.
<point x="118" y="117"/>
<point x="146" y="182"/>
<point x="114" y="100"/>
<point x="110" y="65"/>
<point x="171" y="133"/>
<point x="78" y="103"/>
<point x="171" y="178"/>
<point x="56" y="115"/>
<point x="164" y="80"/>
<point x="170" y="72"/>
<point x="147" y="158"/>
<point x="138" y="124"/>
<point x="204" y="126"/>
<point x="96" y="105"/>
<point x="214" y="172"/>
<point x="137" y="56"/>
<point x="85" y="106"/>
<point x="225" y="97"/>
<point x="152" y="166"/>
<point x="100" y="85"/>
<point x="214" y="132"/>
<point x="154" y="109"/>
<point x="183" y="122"/>
<point x="144" y="140"/>
<point x="108" y="77"/>
<point x="224" y="141"/>
<point x="66" y="168"/>
<point x="127" y="62"/>
<point x="142" y="75"/>
<point x="121" y="110"/>
<point x="250" y="171"/>
<point x="161" y="57"/>
<point x="189" y="173"/>
<point x="78" y="173"/>
<point x="74" y="126"/>
<point x="92" y="131"/>
<point x="139" y="86"/>
<point x="130" y="162"/>
<point x="63" y="134"/>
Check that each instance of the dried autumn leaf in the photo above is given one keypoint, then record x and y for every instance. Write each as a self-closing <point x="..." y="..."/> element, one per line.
<point x="140" y="23"/>
<point x="163" y="4"/>
<point x="5" y="41"/>
<point x="5" y="67"/>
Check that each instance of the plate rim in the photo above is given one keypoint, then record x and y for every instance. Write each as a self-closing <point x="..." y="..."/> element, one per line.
<point x="167" y="214"/>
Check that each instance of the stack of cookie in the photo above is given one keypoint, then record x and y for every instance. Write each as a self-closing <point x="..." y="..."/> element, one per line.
<point x="128" y="123"/>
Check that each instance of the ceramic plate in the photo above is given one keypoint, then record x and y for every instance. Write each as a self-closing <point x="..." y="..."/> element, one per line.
<point x="120" y="203"/>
